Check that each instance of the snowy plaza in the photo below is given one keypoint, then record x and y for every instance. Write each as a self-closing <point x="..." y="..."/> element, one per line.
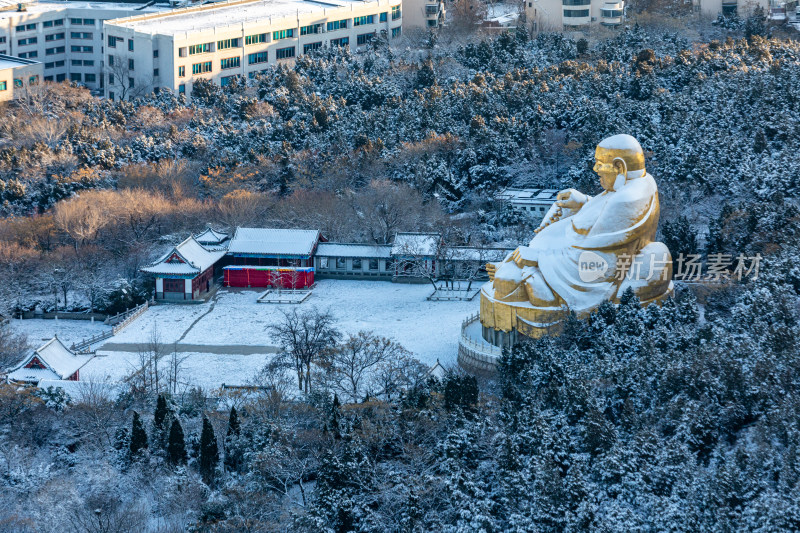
<point x="227" y="340"/>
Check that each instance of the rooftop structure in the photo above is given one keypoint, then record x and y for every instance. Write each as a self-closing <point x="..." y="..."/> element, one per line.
<point x="533" y="202"/>
<point x="51" y="361"/>
<point x="278" y="243"/>
<point x="417" y="244"/>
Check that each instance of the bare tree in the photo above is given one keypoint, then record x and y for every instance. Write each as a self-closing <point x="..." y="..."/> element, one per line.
<point x="96" y="414"/>
<point x="13" y="347"/>
<point x="123" y="80"/>
<point x="174" y="369"/>
<point x="307" y="337"/>
<point x="398" y="374"/>
<point x="387" y="208"/>
<point x="353" y="363"/>
<point x="146" y="377"/>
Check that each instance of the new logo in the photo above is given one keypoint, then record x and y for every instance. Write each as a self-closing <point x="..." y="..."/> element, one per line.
<point x="591" y="266"/>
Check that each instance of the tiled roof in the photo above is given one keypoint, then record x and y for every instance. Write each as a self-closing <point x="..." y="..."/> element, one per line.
<point x="196" y="259"/>
<point x="209" y="236"/>
<point x="269" y="241"/>
<point x="330" y="249"/>
<point x="61" y="363"/>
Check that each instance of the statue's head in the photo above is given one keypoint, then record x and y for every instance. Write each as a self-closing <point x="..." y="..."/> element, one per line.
<point x="617" y="156"/>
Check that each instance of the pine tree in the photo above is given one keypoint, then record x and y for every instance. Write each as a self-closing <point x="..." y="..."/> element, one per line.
<point x="160" y="414"/>
<point x="138" y="435"/>
<point x="209" y="452"/>
<point x="176" y="447"/>
<point x="233" y="423"/>
<point x="334" y="419"/>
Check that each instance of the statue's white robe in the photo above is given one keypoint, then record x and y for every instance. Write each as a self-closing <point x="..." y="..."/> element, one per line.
<point x="610" y="224"/>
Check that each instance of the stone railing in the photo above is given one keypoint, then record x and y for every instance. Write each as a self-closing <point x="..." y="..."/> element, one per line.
<point x="133" y="314"/>
<point x="474" y="356"/>
<point x="85" y="345"/>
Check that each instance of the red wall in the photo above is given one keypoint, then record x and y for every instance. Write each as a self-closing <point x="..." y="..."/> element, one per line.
<point x="265" y="278"/>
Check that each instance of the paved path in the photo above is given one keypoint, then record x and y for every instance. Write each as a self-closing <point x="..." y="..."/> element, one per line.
<point x="238" y="349"/>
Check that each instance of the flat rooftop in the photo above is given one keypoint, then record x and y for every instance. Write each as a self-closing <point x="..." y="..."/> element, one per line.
<point x="238" y="13"/>
<point x="36" y="8"/>
<point x="7" y="62"/>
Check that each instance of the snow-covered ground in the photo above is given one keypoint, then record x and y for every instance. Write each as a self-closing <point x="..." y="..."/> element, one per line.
<point x="40" y="330"/>
<point x="400" y="311"/>
<point x="429" y="329"/>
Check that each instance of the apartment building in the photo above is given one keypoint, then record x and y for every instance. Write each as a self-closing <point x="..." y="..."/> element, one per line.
<point x="16" y="75"/>
<point x="237" y="38"/>
<point x="573" y="15"/>
<point x="423" y="14"/>
<point x="66" y="37"/>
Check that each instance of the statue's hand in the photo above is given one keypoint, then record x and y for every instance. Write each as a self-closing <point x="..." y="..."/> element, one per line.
<point x="571" y="199"/>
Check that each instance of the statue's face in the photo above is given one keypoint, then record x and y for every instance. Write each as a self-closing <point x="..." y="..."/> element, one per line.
<point x="607" y="169"/>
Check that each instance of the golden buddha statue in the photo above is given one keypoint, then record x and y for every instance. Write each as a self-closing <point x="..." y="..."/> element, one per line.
<point x="586" y="250"/>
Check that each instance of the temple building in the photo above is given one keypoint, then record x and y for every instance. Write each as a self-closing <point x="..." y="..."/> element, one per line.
<point x="52" y="361"/>
<point x="263" y="257"/>
<point x="187" y="272"/>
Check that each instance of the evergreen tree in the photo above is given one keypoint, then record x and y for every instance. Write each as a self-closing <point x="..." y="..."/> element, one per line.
<point x="333" y="422"/>
<point x="138" y="435"/>
<point x="176" y="447"/>
<point x="161" y="412"/>
<point x="233" y="423"/>
<point x="209" y="452"/>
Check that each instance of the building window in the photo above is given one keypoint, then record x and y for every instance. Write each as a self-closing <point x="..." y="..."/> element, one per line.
<point x="396" y="32"/>
<point x="227" y="43"/>
<point x="110" y="61"/>
<point x="130" y="45"/>
<point x="155" y="72"/>
<point x="200" y="49"/>
<point x="226" y="80"/>
<point x="384" y="17"/>
<point x="576" y="13"/>
<point x="2" y="40"/>
<point x="48" y="78"/>
<point x="54" y="37"/>
<point x="130" y="64"/>
<point x="60" y="63"/>
<point x="389" y="265"/>
<point x="357" y="264"/>
<point x="610" y="13"/>
<point x="82" y="49"/>
<point x="337" y="25"/>
<point x="181" y="72"/>
<point x="17" y="82"/>
<point x="80" y="35"/>
<point x="230" y="62"/>
<point x="255" y="39"/>
<point x="284" y="53"/>
<point x="395" y="12"/>
<point x="344" y="41"/>
<point x="314" y="28"/>
<point x="182" y="88"/>
<point x="48" y="66"/>
<point x="3" y="85"/>
<point x="112" y="41"/>
<point x="364" y="38"/>
<point x="362" y="21"/>
<point x="61" y="77"/>
<point x="373" y="264"/>
<point x="75" y="76"/>
<point x="341" y="263"/>
<point x="33" y="80"/>
<point x="26" y="27"/>
<point x="259" y="57"/>
<point x="155" y="54"/>
<point x="28" y="55"/>
<point x="311" y="46"/>
<point x="111" y="95"/>
<point x="54" y="51"/>
<point x="130" y="83"/>
<point x="90" y="78"/>
<point x="30" y="40"/>
<point x="88" y="22"/>
<point x="59" y="22"/>
<point x="201" y="68"/>
<point x="282" y="34"/>
<point x="432" y="23"/>
<point x="76" y="22"/>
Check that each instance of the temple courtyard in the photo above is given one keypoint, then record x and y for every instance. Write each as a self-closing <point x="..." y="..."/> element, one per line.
<point x="227" y="339"/>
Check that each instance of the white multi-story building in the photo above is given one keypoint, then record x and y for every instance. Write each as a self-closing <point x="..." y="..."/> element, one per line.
<point x="16" y="74"/>
<point x="573" y="15"/>
<point x="66" y="37"/>
<point x="220" y="41"/>
<point x="423" y="14"/>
